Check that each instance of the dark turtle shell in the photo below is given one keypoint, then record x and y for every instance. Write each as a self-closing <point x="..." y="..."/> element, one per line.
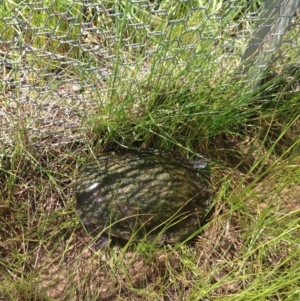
<point x="151" y="193"/>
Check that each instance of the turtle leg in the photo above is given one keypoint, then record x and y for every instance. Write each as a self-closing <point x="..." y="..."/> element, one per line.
<point x="103" y="242"/>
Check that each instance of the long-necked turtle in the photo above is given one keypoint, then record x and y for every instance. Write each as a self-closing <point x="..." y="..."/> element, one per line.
<point x="146" y="193"/>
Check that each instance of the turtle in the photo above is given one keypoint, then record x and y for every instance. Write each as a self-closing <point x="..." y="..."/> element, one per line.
<point x="143" y="193"/>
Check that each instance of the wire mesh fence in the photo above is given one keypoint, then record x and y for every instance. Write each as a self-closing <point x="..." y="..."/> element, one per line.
<point x="62" y="60"/>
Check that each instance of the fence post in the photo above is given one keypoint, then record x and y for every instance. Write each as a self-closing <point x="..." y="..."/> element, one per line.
<point x="271" y="26"/>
